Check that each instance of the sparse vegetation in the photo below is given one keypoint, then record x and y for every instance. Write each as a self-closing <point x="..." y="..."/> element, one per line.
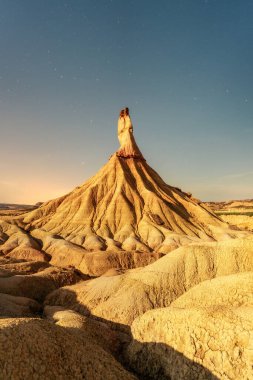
<point x="247" y="213"/>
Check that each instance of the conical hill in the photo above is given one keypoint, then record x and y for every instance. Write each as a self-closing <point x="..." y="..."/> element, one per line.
<point x="127" y="205"/>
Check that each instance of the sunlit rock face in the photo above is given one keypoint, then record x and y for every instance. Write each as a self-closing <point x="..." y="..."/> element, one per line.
<point x="127" y="206"/>
<point x="123" y="298"/>
<point x="207" y="333"/>
<point x="128" y="147"/>
<point x="33" y="348"/>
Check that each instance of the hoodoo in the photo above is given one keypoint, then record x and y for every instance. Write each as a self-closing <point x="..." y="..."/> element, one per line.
<point x="127" y="206"/>
<point x="128" y="147"/>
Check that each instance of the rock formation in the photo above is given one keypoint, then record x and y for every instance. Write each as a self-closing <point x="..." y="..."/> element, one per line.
<point x="127" y="206"/>
<point x="128" y="147"/>
<point x="174" y="296"/>
<point x="205" y="334"/>
<point x="39" y="349"/>
<point x="123" y="298"/>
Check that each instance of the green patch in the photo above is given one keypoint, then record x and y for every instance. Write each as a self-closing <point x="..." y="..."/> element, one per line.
<point x="234" y="213"/>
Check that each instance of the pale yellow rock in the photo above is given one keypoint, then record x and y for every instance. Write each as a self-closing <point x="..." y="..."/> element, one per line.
<point x="37" y="349"/>
<point x="236" y="213"/>
<point x="190" y="311"/>
<point x="124" y="217"/>
<point x="235" y="290"/>
<point x="123" y="298"/>
<point x="128" y="206"/>
<point x="205" y="334"/>
<point x="38" y="285"/>
<point x="10" y="267"/>
<point x="15" y="238"/>
<point x="106" y="337"/>
<point x="128" y="147"/>
<point x="28" y="253"/>
<point x="95" y="263"/>
<point x="241" y="221"/>
<point x="240" y="204"/>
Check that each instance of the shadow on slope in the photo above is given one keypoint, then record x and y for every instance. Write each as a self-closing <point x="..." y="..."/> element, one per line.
<point x="170" y="365"/>
<point x="35" y="348"/>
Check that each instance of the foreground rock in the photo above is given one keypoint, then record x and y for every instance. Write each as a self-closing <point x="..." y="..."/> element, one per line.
<point x="38" y="285"/>
<point x="11" y="306"/>
<point x="110" y="339"/>
<point x="205" y="334"/>
<point x="37" y="349"/>
<point x="25" y="284"/>
<point x="122" y="298"/>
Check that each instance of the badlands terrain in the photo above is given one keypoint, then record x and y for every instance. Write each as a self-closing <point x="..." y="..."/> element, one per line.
<point x="127" y="277"/>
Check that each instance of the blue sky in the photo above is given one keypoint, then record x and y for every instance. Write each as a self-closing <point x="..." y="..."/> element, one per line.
<point x="183" y="67"/>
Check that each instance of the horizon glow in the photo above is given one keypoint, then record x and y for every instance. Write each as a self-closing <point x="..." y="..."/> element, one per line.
<point x="184" y="68"/>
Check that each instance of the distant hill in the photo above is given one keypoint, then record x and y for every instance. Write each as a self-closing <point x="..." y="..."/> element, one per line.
<point x="13" y="206"/>
<point x="232" y="204"/>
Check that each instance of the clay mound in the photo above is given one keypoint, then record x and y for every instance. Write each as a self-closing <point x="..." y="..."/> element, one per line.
<point x="96" y="263"/>
<point x="235" y="290"/>
<point x="204" y="334"/>
<point x="38" y="285"/>
<point x="123" y="298"/>
<point x="10" y="267"/>
<point x="23" y="284"/>
<point x="11" y="306"/>
<point x="28" y="254"/>
<point x="19" y="245"/>
<point x="13" y="237"/>
<point x="127" y="206"/>
<point x="34" y="348"/>
<point x="105" y="337"/>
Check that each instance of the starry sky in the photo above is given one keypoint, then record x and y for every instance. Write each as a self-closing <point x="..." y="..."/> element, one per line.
<point x="183" y="67"/>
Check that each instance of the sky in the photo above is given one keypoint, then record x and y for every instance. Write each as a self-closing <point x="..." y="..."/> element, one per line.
<point x="183" y="67"/>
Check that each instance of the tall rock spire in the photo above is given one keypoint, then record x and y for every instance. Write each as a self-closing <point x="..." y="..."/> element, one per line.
<point x="128" y="147"/>
<point x="127" y="206"/>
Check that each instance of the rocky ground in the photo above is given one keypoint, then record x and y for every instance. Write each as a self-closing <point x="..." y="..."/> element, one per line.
<point x="237" y="213"/>
<point x="184" y="315"/>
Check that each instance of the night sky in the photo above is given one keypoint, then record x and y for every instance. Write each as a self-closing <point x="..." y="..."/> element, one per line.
<point x="183" y="67"/>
